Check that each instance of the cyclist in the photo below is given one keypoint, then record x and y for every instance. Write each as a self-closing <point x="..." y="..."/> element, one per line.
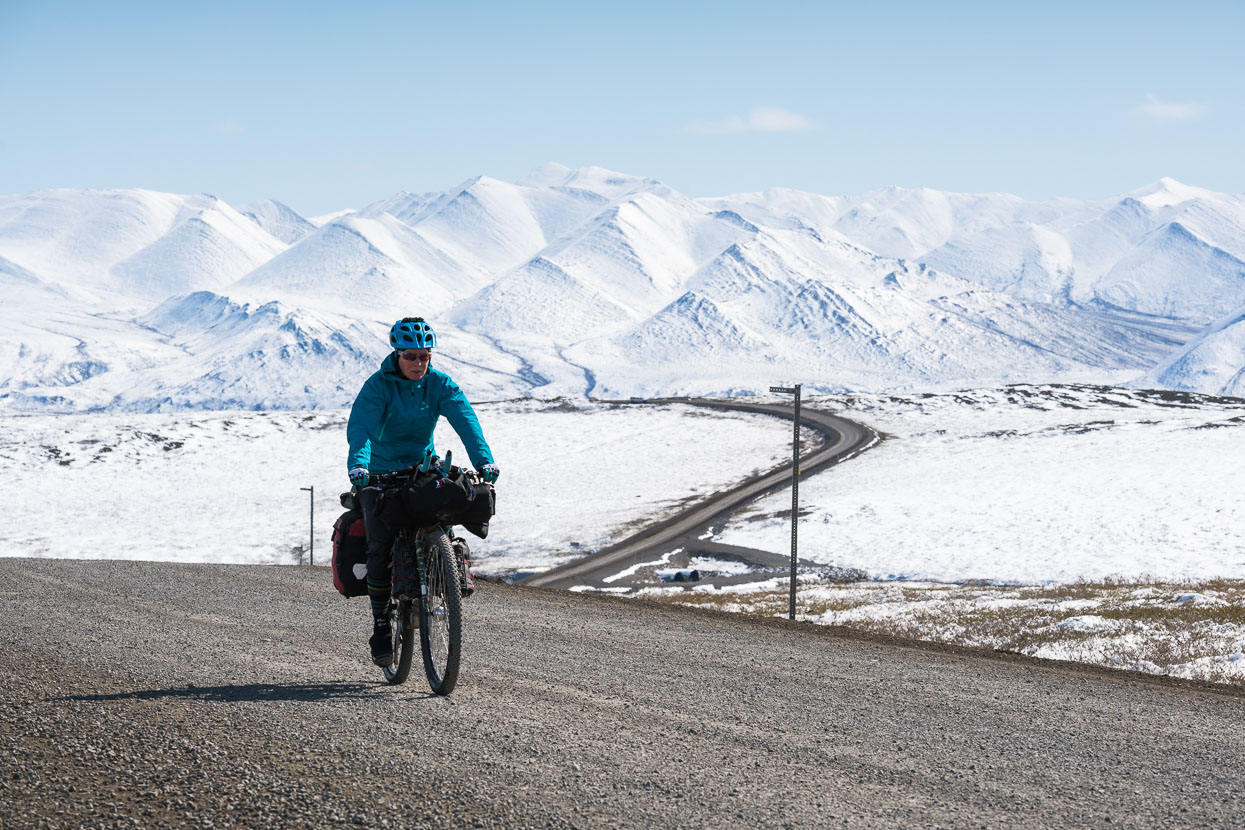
<point x="390" y="427"/>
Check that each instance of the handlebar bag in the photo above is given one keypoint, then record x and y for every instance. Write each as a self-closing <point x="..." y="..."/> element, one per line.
<point x="449" y="499"/>
<point x="423" y="501"/>
<point x="350" y="555"/>
<point x="480" y="507"/>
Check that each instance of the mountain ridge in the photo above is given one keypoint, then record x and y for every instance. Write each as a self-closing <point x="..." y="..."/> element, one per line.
<point x="576" y="279"/>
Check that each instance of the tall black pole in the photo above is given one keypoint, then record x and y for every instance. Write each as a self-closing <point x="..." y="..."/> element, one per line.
<point x="795" y="497"/>
<point x="795" y="486"/>
<point x="312" y="526"/>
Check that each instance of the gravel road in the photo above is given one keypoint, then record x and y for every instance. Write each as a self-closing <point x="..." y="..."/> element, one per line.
<point x="152" y="694"/>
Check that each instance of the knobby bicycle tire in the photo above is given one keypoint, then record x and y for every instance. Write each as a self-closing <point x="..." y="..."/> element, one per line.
<point x="441" y="615"/>
<point x="403" y="643"/>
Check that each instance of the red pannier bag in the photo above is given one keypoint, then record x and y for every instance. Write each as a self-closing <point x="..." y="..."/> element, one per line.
<point x="350" y="555"/>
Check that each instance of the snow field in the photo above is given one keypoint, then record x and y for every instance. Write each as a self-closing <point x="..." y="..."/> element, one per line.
<point x="224" y="487"/>
<point x="1028" y="485"/>
<point x="1087" y="524"/>
<point x="1152" y="627"/>
<point x="1103" y="522"/>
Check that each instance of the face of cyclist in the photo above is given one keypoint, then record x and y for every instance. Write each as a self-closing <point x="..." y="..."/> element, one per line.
<point x="413" y="363"/>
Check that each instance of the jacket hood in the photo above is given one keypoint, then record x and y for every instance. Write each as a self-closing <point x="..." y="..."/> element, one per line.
<point x="389" y="366"/>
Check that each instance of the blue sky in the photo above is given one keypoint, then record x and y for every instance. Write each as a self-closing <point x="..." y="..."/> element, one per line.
<point x="325" y="106"/>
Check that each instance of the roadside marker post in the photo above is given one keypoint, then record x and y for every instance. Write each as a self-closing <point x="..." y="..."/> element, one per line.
<point x="795" y="485"/>
<point x="312" y="525"/>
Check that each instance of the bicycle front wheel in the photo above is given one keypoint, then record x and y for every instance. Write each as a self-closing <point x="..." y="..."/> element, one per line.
<point x="440" y="615"/>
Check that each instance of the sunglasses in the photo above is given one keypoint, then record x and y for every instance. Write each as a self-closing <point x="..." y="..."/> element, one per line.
<point x="415" y="357"/>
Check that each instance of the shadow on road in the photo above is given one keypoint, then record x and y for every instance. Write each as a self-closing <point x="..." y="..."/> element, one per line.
<point x="255" y="692"/>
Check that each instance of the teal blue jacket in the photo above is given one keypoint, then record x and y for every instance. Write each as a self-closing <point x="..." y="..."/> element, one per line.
<point x="392" y="420"/>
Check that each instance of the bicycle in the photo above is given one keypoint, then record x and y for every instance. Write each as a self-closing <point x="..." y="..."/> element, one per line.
<point x="435" y="608"/>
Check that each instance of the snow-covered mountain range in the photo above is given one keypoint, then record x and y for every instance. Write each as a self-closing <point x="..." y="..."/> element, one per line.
<point x="591" y="282"/>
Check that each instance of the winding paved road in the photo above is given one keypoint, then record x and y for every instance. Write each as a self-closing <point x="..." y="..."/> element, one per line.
<point x="161" y="695"/>
<point x="843" y="439"/>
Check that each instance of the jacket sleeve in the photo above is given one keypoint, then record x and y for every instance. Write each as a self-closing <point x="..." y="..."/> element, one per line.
<point x="365" y="419"/>
<point x="457" y="410"/>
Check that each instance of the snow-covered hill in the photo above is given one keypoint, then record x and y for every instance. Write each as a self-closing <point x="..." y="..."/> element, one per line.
<point x="1210" y="362"/>
<point x="594" y="282"/>
<point x="279" y="220"/>
<point x="129" y="248"/>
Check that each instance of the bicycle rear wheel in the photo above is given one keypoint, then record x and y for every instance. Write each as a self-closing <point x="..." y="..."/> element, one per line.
<point x="403" y="620"/>
<point x="440" y="615"/>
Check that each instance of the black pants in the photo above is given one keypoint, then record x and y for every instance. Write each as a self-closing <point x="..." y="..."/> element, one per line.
<point x="379" y="550"/>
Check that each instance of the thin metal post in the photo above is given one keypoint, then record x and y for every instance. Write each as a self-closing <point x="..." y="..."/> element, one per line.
<point x="795" y="497"/>
<point x="312" y="526"/>
<point x="795" y="487"/>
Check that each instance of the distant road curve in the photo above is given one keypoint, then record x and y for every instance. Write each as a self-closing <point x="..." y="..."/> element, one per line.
<point x="844" y="439"/>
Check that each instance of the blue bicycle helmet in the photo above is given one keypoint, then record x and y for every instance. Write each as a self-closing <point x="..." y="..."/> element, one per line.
<point x="412" y="333"/>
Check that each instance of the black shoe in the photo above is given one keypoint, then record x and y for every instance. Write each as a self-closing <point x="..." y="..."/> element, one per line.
<point x="381" y="643"/>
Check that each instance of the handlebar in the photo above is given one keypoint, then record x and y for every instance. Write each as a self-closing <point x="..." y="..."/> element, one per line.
<point x="431" y="466"/>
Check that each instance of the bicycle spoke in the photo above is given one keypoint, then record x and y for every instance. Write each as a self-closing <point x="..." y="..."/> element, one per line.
<point x="436" y="607"/>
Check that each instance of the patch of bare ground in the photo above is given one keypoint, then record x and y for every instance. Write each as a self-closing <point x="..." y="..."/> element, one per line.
<point x="1193" y="630"/>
